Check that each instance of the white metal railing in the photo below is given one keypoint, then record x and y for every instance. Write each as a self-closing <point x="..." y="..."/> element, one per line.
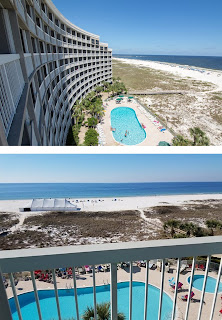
<point x="11" y="87"/>
<point x="53" y="258"/>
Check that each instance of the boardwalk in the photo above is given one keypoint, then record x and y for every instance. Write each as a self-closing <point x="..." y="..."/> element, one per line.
<point x="156" y="92"/>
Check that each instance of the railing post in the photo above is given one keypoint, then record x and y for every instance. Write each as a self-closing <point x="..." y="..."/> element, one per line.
<point x="113" y="287"/>
<point x="4" y="304"/>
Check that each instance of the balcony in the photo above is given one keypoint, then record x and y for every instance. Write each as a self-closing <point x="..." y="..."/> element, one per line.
<point x="133" y="288"/>
<point x="11" y="87"/>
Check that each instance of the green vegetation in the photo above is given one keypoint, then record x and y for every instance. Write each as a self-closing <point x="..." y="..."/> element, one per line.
<point x="91" y="138"/>
<point x="92" y="122"/>
<point x="140" y="78"/>
<point x="213" y="225"/>
<point x="199" y="138"/>
<point x="178" y="229"/>
<point x="181" y="141"/>
<point x="103" y="312"/>
<point x="92" y="105"/>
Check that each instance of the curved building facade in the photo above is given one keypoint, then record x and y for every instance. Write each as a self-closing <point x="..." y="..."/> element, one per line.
<point x="46" y="64"/>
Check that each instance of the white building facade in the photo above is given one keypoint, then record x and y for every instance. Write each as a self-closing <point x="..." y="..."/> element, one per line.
<point x="46" y="64"/>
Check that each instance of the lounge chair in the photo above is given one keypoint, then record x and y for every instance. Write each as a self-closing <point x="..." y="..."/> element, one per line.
<point x="171" y="280"/>
<point x="180" y="285"/>
<point x="183" y="268"/>
<point x="100" y="269"/>
<point x="185" y="298"/>
<point x="202" y="267"/>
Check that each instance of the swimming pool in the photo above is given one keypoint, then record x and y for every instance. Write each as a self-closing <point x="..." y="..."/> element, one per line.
<point x="124" y="119"/>
<point x="210" y="285"/>
<point x="85" y="298"/>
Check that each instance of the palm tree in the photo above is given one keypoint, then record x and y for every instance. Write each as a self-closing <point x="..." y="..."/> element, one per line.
<point x="77" y="111"/>
<point x="98" y="90"/>
<point x="188" y="227"/>
<point x="103" y="312"/>
<point x="91" y="95"/>
<point x="172" y="224"/>
<point x="199" y="137"/>
<point x="181" y="141"/>
<point x="212" y="225"/>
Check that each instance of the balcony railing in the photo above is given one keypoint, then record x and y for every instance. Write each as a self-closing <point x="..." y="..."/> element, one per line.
<point x="53" y="258"/>
<point x="11" y="87"/>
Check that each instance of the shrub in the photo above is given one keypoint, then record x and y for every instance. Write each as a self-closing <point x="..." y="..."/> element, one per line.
<point x="92" y="122"/>
<point x="91" y="138"/>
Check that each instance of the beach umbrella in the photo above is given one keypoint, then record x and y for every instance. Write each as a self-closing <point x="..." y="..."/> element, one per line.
<point x="130" y="97"/>
<point x="163" y="143"/>
<point x="118" y="99"/>
<point x="121" y="96"/>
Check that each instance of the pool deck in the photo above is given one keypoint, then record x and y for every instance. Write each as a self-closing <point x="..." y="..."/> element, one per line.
<point x="153" y="134"/>
<point x="85" y="280"/>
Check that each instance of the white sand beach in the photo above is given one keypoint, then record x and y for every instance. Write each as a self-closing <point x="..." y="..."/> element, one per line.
<point x="201" y="74"/>
<point x="115" y="204"/>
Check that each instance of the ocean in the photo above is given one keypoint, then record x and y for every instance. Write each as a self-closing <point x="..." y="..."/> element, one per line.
<point x="214" y="63"/>
<point x="18" y="191"/>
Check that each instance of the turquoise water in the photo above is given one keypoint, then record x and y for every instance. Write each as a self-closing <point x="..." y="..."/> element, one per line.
<point x="85" y="298"/>
<point x="210" y="285"/>
<point x="124" y="119"/>
<point x="13" y="191"/>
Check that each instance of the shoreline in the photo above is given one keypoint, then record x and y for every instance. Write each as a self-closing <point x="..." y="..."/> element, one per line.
<point x="120" y="204"/>
<point x="175" y="64"/>
<point x="117" y="196"/>
<point x="209" y="75"/>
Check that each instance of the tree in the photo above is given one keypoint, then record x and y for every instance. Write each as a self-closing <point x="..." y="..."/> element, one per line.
<point x="181" y="141"/>
<point x="188" y="227"/>
<point x="77" y="108"/>
<point x="212" y="225"/>
<point x="91" y="138"/>
<point x="103" y="312"/>
<point x="92" y="122"/>
<point x="199" y="137"/>
<point x="172" y="224"/>
<point x="98" y="90"/>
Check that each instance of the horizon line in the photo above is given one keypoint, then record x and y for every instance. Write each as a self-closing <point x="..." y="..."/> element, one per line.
<point x="179" y="55"/>
<point x="137" y="182"/>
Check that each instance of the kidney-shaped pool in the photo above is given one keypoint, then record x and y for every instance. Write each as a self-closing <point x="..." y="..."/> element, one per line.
<point x="85" y="298"/>
<point x="127" y="129"/>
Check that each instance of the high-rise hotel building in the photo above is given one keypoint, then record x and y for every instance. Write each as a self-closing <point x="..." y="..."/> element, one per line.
<point x="46" y="64"/>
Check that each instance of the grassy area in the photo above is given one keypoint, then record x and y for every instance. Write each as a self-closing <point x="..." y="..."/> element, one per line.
<point x="68" y="228"/>
<point x="140" y="78"/>
<point x="197" y="212"/>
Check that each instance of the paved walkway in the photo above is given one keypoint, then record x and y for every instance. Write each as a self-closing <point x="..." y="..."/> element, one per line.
<point x="153" y="134"/>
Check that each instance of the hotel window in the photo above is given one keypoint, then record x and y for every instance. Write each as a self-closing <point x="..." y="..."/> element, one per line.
<point x="38" y="22"/>
<point x="50" y="16"/>
<point x="44" y="71"/>
<point x="46" y="29"/>
<point x="41" y="47"/>
<point x="28" y="9"/>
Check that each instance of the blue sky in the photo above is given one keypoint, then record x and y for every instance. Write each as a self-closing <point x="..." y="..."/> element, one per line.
<point x="191" y="27"/>
<point x="109" y="168"/>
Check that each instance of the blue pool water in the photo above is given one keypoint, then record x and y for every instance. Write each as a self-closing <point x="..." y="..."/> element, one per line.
<point x="122" y="119"/>
<point x="85" y="298"/>
<point x="210" y="285"/>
